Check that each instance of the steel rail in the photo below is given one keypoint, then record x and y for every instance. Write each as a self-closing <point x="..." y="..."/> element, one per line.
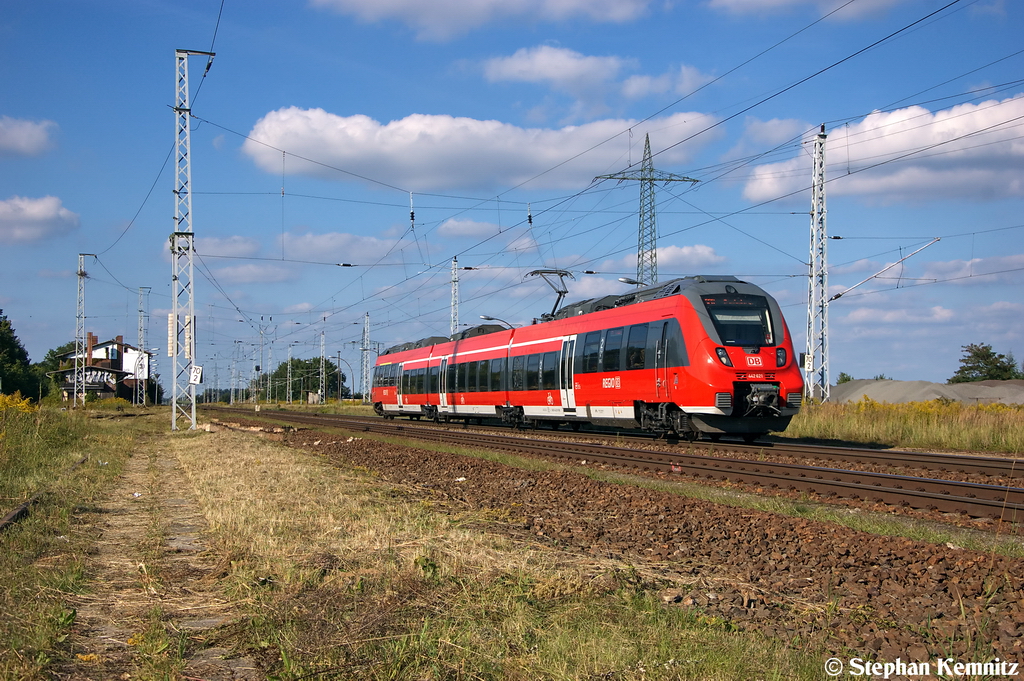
<point x="1005" y="467"/>
<point x="974" y="499"/>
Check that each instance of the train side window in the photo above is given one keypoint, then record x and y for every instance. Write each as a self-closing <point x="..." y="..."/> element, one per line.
<point x="591" y="350"/>
<point x="450" y="377"/>
<point x="498" y="374"/>
<point x="519" y="373"/>
<point x="549" y="373"/>
<point x="636" y="347"/>
<point x="471" y="368"/>
<point x="533" y="372"/>
<point x="613" y="350"/>
<point x="435" y="372"/>
<point x="485" y="375"/>
<point x="421" y="377"/>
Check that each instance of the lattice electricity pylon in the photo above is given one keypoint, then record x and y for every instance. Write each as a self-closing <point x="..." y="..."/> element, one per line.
<point x="647" y="241"/>
<point x="816" y="359"/>
<point x="181" y="324"/>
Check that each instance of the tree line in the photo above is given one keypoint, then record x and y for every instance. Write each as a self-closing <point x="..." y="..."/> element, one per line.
<point x="979" y="363"/>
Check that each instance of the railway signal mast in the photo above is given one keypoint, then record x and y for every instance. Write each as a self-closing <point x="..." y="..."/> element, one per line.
<point x="181" y="323"/>
<point x="647" y="242"/>
<point x="816" y="357"/>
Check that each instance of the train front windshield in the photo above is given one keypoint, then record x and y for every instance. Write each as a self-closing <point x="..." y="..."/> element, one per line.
<point x="741" y="319"/>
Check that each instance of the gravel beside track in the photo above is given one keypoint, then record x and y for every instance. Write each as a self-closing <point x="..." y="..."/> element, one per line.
<point x="805" y="581"/>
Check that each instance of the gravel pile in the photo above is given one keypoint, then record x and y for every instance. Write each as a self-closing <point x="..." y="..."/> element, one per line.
<point x="800" y="580"/>
<point x="980" y="392"/>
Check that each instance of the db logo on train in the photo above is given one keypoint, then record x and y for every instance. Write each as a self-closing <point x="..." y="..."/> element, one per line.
<point x="753" y="361"/>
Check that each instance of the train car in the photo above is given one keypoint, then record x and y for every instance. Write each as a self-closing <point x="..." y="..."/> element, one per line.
<point x="701" y="355"/>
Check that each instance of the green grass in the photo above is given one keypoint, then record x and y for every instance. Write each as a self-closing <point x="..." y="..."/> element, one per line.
<point x="42" y="557"/>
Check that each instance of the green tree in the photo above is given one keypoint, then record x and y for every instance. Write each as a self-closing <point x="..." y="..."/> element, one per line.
<point x="843" y="378"/>
<point x="981" y="363"/>
<point x="305" y="379"/>
<point x="15" y="372"/>
<point x="51" y="362"/>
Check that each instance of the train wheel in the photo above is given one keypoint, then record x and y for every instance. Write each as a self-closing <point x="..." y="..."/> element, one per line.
<point x="715" y="437"/>
<point x="575" y="425"/>
<point x="750" y="437"/>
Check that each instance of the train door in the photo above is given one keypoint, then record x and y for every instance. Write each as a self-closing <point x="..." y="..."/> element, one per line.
<point x="399" y="385"/>
<point x="442" y="387"/>
<point x="663" y="387"/>
<point x="566" y="377"/>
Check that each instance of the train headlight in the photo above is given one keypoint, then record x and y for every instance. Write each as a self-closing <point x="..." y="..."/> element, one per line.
<point x="723" y="357"/>
<point x="780" y="357"/>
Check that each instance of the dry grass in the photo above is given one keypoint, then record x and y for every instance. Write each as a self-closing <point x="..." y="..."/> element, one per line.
<point x="345" y="575"/>
<point x="937" y="424"/>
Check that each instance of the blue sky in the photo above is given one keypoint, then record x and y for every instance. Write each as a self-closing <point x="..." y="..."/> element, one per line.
<point x="320" y="121"/>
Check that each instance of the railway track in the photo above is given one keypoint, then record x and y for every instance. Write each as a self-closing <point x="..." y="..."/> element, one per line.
<point x="980" y="500"/>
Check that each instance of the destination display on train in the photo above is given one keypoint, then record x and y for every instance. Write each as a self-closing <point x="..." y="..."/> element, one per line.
<point x="735" y="300"/>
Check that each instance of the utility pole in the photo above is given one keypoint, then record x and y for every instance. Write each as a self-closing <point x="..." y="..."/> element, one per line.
<point x="181" y="327"/>
<point x="455" y="297"/>
<point x="141" y="362"/>
<point x="647" y="241"/>
<point x="816" y="358"/>
<point x="79" y="396"/>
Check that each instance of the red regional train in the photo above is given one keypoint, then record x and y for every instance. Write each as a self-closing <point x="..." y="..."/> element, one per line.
<point x="700" y="355"/>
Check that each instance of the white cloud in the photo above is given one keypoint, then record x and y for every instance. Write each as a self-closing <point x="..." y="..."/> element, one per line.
<point x="857" y="9"/>
<point x="233" y="246"/>
<point x="684" y="81"/>
<point x="862" y="265"/>
<point x="24" y="220"/>
<point x="444" y="19"/>
<point x="25" y="138"/>
<point x="255" y="273"/>
<point x="971" y="151"/>
<point x="586" y="78"/>
<point x="335" y="246"/>
<point x="298" y="308"/>
<point x="466" y="228"/>
<point x="594" y="287"/>
<point x="999" y="269"/>
<point x="933" y="315"/>
<point x="687" y="258"/>
<point x="562" y="68"/>
<point x="433" y="152"/>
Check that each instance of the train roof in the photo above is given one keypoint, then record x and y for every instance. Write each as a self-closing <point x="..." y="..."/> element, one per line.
<point x="640" y="295"/>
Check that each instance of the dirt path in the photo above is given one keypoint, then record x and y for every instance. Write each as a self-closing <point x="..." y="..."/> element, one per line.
<point x="153" y="602"/>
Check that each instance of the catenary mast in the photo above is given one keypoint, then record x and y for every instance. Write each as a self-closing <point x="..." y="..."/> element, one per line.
<point x="181" y="322"/>
<point x="816" y="358"/>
